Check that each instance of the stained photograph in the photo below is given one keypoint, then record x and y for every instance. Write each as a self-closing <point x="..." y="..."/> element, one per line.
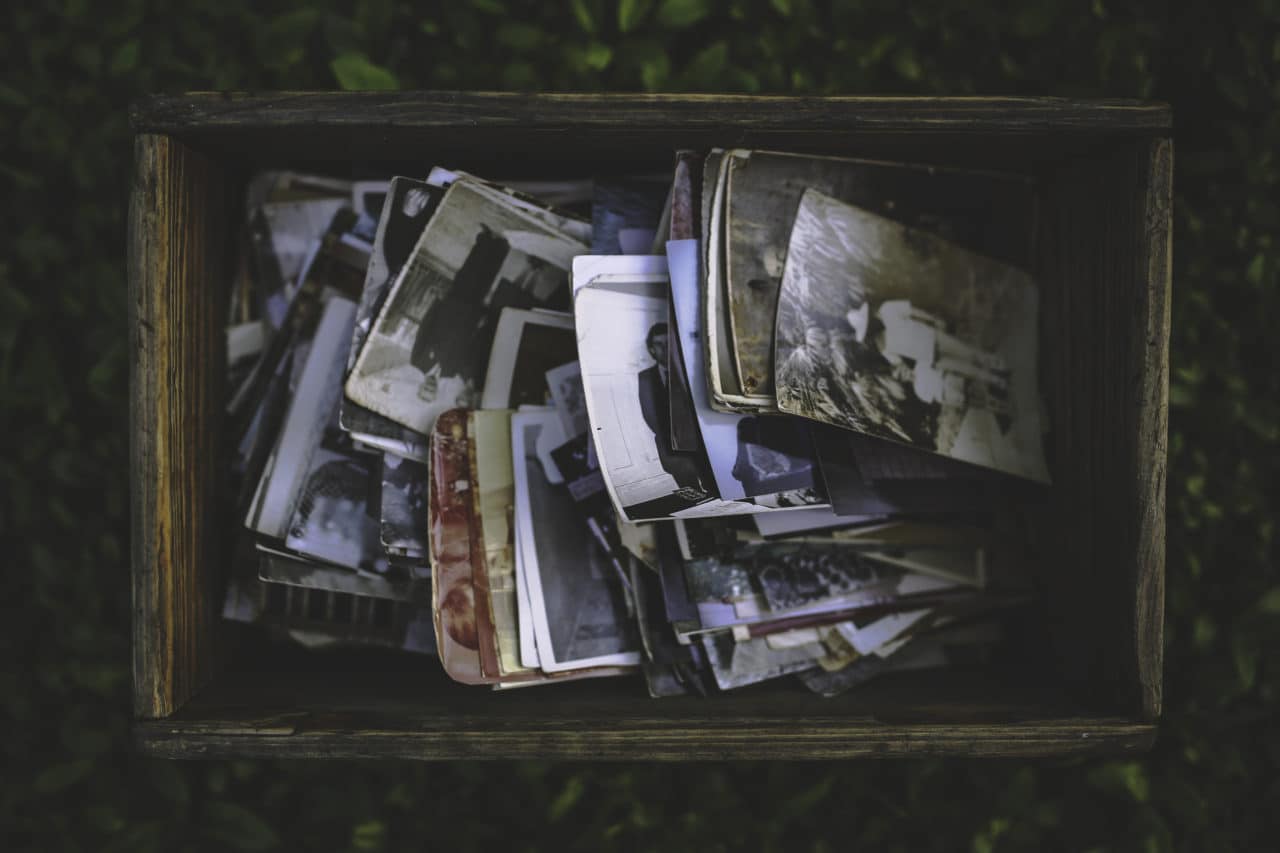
<point x="428" y="349"/>
<point x="896" y="333"/>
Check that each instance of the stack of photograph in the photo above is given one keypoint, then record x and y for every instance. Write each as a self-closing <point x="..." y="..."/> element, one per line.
<point x="763" y="415"/>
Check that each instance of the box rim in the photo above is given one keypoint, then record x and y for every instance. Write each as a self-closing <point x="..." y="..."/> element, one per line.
<point x="204" y="111"/>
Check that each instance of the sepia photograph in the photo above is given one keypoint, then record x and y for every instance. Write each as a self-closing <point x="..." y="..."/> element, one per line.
<point x="895" y="333"/>
<point x="727" y="392"/>
<point x="526" y="345"/>
<point x="428" y="349"/>
<point x="494" y="506"/>
<point x="579" y="608"/>
<point x="986" y="212"/>
<point x="453" y="540"/>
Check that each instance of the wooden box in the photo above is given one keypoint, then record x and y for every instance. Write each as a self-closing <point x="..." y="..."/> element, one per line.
<point x="1090" y="677"/>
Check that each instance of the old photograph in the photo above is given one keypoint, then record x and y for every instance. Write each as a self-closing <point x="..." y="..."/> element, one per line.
<point x="738" y="664"/>
<point x="565" y="386"/>
<point x="406" y="209"/>
<point x="750" y="456"/>
<point x="494" y="500"/>
<point x="453" y="546"/>
<point x="336" y="519"/>
<point x="987" y="212"/>
<point x="970" y="492"/>
<point x="405" y="483"/>
<point x="579" y="608"/>
<point x="526" y="345"/>
<point x="625" y="213"/>
<point x="576" y="460"/>
<point x="793" y="577"/>
<point x="896" y="333"/>
<point x="281" y="567"/>
<point x="428" y="349"/>
<point x="622" y="347"/>
<point x="727" y="391"/>
<point x="310" y="413"/>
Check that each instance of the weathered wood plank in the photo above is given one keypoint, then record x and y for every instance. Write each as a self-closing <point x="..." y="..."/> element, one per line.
<point x="353" y="736"/>
<point x="175" y="295"/>
<point x="375" y="110"/>
<point x="1150" y="449"/>
<point x="1105" y="335"/>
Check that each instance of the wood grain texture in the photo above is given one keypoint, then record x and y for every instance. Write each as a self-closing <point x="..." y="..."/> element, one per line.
<point x="355" y="736"/>
<point x="372" y="110"/>
<point x="1105" y="334"/>
<point x="1150" y="338"/>
<point x="176" y="291"/>
<point x="596" y="134"/>
<point x="337" y="707"/>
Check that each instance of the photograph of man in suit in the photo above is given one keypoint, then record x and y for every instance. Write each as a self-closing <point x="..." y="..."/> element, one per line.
<point x="655" y="406"/>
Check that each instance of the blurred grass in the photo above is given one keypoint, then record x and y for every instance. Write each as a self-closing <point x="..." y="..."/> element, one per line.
<point x="69" y="69"/>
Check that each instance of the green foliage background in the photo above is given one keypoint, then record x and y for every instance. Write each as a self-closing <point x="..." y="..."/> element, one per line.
<point x="70" y="67"/>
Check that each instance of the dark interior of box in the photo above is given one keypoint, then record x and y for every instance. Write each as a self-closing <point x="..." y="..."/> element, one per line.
<point x="1068" y="656"/>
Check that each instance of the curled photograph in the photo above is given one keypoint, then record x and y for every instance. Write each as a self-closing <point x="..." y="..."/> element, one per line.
<point x="893" y="332"/>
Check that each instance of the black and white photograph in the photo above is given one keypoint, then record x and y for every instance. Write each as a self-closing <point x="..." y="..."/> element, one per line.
<point x="580" y="613"/>
<point x="738" y="664"/>
<point x="553" y="203"/>
<point x="577" y="463"/>
<point x="407" y="207"/>
<point x="295" y="229"/>
<point x="968" y="491"/>
<point x="404" y="506"/>
<point x="622" y="348"/>
<point x="283" y="568"/>
<point x="367" y="199"/>
<point x="526" y="345"/>
<point x="308" y="417"/>
<point x="895" y="333"/>
<point x="794" y="577"/>
<point x="750" y="456"/>
<point x="565" y="386"/>
<point x="983" y="211"/>
<point x="337" y="518"/>
<point x="769" y="524"/>
<point x="428" y="349"/>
